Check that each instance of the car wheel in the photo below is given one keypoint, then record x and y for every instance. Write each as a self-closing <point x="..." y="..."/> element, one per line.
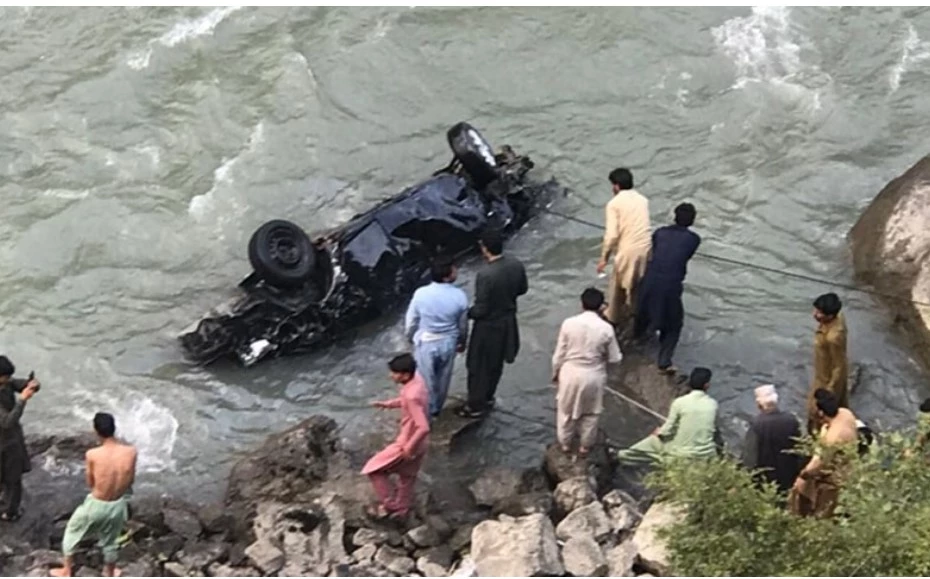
<point x="474" y="153"/>
<point x="281" y="254"/>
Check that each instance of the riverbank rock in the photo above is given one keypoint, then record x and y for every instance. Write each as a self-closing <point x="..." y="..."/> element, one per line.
<point x="523" y="547"/>
<point x="652" y="550"/>
<point x="583" y="557"/>
<point x="891" y="251"/>
<point x="573" y="493"/>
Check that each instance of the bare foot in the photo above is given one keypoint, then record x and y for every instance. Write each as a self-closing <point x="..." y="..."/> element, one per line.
<point x="60" y="572"/>
<point x="114" y="572"/>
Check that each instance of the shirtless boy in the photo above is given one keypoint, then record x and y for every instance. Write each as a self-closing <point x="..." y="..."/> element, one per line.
<point x="111" y="469"/>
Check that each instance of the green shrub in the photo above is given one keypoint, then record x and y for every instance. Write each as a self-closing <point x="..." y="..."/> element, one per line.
<point x="881" y="527"/>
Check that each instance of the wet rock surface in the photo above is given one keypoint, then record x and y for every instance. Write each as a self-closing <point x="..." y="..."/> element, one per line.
<point x="295" y="506"/>
<point x="891" y="252"/>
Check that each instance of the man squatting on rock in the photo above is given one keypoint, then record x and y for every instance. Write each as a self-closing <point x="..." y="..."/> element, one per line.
<point x="14" y="458"/>
<point x="405" y="455"/>
<point x="110" y="470"/>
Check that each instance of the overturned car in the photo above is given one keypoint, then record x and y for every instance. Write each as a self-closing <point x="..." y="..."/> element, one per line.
<point x="302" y="293"/>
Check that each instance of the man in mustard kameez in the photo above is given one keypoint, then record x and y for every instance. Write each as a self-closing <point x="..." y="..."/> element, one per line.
<point x="830" y="363"/>
<point x="627" y="236"/>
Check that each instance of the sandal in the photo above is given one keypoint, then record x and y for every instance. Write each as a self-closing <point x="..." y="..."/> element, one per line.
<point x="377" y="512"/>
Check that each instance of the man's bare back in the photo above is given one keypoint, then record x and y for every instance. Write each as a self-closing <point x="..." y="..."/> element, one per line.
<point x="842" y="429"/>
<point x="111" y="469"/>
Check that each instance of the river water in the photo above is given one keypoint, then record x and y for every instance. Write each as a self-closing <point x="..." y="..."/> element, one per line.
<point x="142" y="146"/>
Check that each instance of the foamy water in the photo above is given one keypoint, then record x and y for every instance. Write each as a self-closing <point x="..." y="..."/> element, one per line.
<point x="913" y="51"/>
<point x="183" y="31"/>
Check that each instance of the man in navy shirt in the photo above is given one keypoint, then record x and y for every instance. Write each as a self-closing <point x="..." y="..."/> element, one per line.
<point x="659" y="307"/>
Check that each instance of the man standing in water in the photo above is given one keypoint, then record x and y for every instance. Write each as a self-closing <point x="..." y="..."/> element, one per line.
<point x="14" y="459"/>
<point x="585" y="348"/>
<point x="659" y="306"/>
<point x="405" y="455"/>
<point x="830" y="364"/>
<point x="437" y="326"/>
<point x="110" y="471"/>
<point x="495" y="336"/>
<point x="627" y="235"/>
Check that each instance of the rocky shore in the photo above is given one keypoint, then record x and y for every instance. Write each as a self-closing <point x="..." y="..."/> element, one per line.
<point x="296" y="507"/>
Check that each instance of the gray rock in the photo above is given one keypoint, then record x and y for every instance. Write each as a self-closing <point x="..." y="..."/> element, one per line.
<point x="175" y="569"/>
<point x="221" y="570"/>
<point x="215" y="519"/>
<point x="891" y="252"/>
<point x="617" y="505"/>
<point x="395" y="561"/>
<point x="496" y="484"/>
<point x="430" y="569"/>
<point x="583" y="557"/>
<point x="524" y="547"/>
<point x="359" y="570"/>
<point x="182" y="523"/>
<point x="653" y="552"/>
<point x="461" y="538"/>
<point x="148" y="511"/>
<point x="621" y="558"/>
<point x="365" y="536"/>
<point x="441" y="556"/>
<point x="167" y="547"/>
<point x="561" y="467"/>
<point x="88" y="572"/>
<point x="524" y="504"/>
<point x="265" y="557"/>
<point x="199" y="556"/>
<point x="44" y="558"/>
<point x="365" y="553"/>
<point x="442" y="528"/>
<point x="573" y="493"/>
<point x="423" y="536"/>
<point x="310" y="535"/>
<point x="142" y="567"/>
<point x="589" y="520"/>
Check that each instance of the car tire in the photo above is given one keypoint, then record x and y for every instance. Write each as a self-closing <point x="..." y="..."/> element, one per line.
<point x="282" y="254"/>
<point x="474" y="153"/>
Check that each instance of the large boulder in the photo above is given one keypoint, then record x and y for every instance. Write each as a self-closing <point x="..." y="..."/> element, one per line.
<point x="587" y="521"/>
<point x="583" y="557"/>
<point x="891" y="250"/>
<point x="523" y="547"/>
<point x="299" y="539"/>
<point x="573" y="493"/>
<point x="652" y="550"/>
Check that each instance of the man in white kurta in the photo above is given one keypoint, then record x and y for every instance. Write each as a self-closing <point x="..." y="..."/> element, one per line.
<point x="586" y="346"/>
<point x="628" y="237"/>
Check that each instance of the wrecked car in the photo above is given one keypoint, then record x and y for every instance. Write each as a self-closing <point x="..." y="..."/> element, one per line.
<point x="303" y="293"/>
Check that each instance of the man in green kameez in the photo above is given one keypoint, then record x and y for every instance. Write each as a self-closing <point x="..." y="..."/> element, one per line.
<point x="689" y="431"/>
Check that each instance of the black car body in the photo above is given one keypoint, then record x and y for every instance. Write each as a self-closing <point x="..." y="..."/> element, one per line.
<point x="303" y="293"/>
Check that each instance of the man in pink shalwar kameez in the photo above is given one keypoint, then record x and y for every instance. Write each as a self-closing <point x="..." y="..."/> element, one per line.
<point x="405" y="455"/>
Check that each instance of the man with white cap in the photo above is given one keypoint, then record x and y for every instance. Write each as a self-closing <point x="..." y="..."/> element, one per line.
<point x="769" y="441"/>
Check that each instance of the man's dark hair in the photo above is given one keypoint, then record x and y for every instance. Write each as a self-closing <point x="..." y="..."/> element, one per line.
<point x="826" y="402"/>
<point x="441" y="268"/>
<point x="622" y="178"/>
<point x="592" y="299"/>
<point x="403" y="364"/>
<point x="104" y="424"/>
<point x="493" y="241"/>
<point x="685" y="214"/>
<point x="828" y="304"/>
<point x="6" y="367"/>
<point x="700" y="377"/>
<point x="925" y="405"/>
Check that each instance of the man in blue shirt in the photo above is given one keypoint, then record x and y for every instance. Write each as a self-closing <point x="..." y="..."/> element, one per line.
<point x="659" y="307"/>
<point x="437" y="326"/>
